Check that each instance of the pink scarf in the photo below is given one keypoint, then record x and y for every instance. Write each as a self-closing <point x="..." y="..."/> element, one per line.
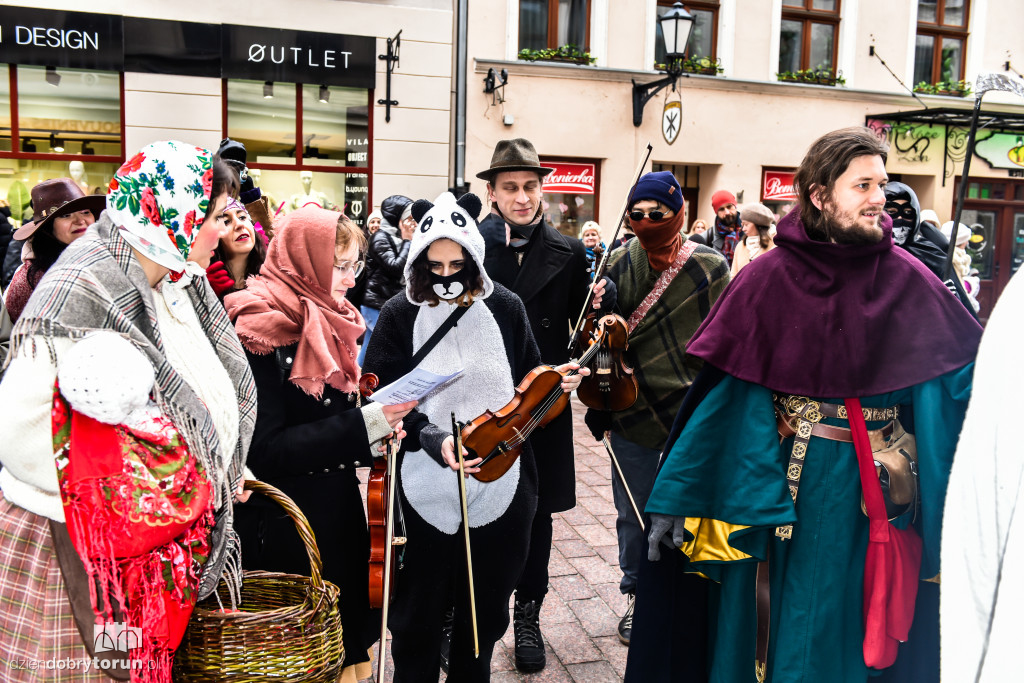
<point x="290" y="301"/>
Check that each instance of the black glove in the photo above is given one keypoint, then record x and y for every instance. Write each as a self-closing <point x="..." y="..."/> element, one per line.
<point x="598" y="422"/>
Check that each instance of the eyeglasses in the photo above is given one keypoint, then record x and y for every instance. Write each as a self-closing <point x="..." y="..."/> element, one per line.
<point x="353" y="267"/>
<point x="638" y="215"/>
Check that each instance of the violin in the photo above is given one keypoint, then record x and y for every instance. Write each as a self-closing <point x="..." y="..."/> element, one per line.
<point x="611" y="384"/>
<point x="498" y="437"/>
<point x="380" y="492"/>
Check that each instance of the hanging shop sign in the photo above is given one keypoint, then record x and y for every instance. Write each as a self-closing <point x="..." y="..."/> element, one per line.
<point x="63" y="39"/>
<point x="569" y="178"/>
<point x="777" y="186"/>
<point x="1002" y="150"/>
<point x="269" y="54"/>
<point x="671" y="119"/>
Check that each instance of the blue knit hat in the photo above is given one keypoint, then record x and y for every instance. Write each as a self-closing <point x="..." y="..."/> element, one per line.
<point x="661" y="186"/>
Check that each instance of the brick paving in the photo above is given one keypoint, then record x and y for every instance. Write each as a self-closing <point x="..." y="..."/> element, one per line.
<point x="581" y="612"/>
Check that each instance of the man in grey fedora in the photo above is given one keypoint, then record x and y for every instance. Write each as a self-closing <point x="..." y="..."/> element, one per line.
<point x="549" y="272"/>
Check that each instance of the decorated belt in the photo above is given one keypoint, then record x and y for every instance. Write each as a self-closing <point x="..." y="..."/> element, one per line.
<point x="799" y="417"/>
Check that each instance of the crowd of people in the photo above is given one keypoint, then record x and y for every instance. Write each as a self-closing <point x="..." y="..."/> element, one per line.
<point x="171" y="339"/>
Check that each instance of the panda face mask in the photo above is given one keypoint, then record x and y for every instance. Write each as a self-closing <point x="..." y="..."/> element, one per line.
<point x="448" y="287"/>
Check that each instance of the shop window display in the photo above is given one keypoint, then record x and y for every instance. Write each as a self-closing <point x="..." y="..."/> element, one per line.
<point x="68" y="111"/>
<point x="93" y="178"/>
<point x="291" y="190"/>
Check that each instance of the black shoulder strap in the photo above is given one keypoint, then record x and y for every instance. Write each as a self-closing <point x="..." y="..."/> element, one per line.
<point x="439" y="333"/>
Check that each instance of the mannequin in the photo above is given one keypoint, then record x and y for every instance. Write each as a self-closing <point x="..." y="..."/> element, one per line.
<point x="309" y="195"/>
<point x="76" y="169"/>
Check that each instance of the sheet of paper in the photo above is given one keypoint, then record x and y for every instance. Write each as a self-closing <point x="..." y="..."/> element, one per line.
<point x="412" y="386"/>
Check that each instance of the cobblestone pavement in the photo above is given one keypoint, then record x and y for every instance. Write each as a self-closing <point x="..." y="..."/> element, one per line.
<point x="582" y="609"/>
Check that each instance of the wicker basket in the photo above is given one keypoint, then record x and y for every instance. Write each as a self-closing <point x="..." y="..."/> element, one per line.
<point x="288" y="627"/>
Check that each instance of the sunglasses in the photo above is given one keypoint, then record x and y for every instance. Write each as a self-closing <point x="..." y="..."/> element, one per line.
<point x="638" y="215"/>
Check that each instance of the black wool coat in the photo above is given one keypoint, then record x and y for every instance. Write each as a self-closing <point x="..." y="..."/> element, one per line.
<point x="310" y="448"/>
<point x="552" y="281"/>
<point x="385" y="265"/>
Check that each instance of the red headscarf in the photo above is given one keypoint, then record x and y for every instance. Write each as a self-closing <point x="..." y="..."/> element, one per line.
<point x="290" y="301"/>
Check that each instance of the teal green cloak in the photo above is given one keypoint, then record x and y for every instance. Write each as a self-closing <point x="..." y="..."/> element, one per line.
<point x="728" y="465"/>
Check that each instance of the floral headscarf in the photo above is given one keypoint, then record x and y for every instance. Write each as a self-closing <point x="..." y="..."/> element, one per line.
<point x="159" y="198"/>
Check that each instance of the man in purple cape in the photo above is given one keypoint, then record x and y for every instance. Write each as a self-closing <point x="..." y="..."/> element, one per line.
<point x="834" y="313"/>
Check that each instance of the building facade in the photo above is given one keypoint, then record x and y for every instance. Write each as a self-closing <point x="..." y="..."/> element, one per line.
<point x="745" y="123"/>
<point x="298" y="82"/>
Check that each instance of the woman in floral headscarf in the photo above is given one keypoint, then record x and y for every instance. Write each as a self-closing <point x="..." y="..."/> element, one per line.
<point x="128" y="409"/>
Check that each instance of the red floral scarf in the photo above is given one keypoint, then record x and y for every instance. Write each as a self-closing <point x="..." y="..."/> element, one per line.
<point x="139" y="512"/>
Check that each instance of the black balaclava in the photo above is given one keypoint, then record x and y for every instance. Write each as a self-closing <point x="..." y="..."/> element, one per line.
<point x="905" y="217"/>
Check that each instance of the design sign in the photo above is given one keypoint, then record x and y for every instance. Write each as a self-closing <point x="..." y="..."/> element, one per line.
<point x="671" y="120"/>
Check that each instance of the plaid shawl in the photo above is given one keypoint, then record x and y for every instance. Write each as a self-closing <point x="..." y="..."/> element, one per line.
<point x="657" y="347"/>
<point x="99" y="284"/>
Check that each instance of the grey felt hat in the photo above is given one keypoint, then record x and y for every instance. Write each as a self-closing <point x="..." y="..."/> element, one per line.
<point x="517" y="154"/>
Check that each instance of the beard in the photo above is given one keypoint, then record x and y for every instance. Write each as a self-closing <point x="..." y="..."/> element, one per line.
<point x="842" y="227"/>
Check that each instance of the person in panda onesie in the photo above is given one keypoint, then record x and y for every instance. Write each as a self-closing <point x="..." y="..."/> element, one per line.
<point x="494" y="347"/>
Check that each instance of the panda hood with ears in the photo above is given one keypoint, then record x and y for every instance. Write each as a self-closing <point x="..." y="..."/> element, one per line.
<point x="447" y="218"/>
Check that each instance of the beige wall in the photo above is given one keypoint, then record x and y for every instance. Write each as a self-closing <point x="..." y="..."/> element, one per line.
<point x="410" y="154"/>
<point x="732" y="126"/>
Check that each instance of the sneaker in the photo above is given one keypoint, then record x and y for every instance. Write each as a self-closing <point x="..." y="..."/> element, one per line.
<point x="447" y="626"/>
<point x="529" y="643"/>
<point x="626" y="623"/>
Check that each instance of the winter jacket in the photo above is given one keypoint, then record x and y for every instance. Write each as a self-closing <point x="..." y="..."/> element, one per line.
<point x="12" y="260"/>
<point x="385" y="263"/>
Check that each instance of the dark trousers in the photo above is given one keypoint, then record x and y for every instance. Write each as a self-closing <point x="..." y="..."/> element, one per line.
<point x="434" y="576"/>
<point x="533" y="585"/>
<point x="640" y="467"/>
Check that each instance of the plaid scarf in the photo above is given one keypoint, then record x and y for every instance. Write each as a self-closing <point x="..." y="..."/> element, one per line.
<point x="730" y="236"/>
<point x="99" y="284"/>
<point x="657" y="347"/>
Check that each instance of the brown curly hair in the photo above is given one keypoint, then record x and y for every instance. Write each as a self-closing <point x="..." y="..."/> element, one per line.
<point x="422" y="290"/>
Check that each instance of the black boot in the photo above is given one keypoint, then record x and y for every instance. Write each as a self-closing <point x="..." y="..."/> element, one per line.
<point x="529" y="643"/>
<point x="447" y="626"/>
<point x="626" y="623"/>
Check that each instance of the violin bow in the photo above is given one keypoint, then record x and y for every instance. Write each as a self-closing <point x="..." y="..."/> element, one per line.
<point x="457" y="432"/>
<point x="604" y="257"/>
<point x="389" y="537"/>
<point x="629" y="494"/>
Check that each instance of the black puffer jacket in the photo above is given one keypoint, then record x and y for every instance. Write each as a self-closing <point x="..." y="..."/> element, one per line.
<point x="385" y="265"/>
<point x="385" y="262"/>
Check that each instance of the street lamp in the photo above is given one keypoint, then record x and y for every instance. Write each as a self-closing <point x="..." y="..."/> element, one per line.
<point x="676" y="25"/>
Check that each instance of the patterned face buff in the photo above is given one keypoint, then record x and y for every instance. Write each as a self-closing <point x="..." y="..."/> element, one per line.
<point x="159" y="199"/>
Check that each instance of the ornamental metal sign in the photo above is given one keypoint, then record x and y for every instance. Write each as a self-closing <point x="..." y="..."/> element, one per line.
<point x="671" y="120"/>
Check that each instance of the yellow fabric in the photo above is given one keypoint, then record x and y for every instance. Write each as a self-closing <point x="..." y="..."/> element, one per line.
<point x="357" y="672"/>
<point x="710" y="541"/>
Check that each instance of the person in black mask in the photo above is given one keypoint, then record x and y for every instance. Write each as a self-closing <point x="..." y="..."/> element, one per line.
<point x="922" y="240"/>
<point x="549" y="272"/>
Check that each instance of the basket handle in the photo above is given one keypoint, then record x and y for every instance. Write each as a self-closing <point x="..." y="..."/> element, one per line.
<point x="301" y="525"/>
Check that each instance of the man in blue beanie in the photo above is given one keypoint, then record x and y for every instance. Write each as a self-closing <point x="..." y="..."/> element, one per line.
<point x="666" y="286"/>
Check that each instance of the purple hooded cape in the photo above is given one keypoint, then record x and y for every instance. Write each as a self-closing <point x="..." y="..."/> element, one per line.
<point x="834" y="320"/>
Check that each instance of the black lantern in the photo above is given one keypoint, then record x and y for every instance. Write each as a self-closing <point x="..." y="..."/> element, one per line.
<point x="676" y="25"/>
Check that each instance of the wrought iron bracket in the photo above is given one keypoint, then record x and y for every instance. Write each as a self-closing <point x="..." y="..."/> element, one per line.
<point x="392" y="59"/>
<point x="643" y="92"/>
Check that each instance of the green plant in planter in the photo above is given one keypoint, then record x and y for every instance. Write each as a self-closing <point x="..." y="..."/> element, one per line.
<point x="818" y="76"/>
<point x="694" y="65"/>
<point x="949" y="88"/>
<point x="565" y="53"/>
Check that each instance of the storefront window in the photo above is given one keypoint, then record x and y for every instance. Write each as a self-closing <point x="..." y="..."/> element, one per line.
<point x="69" y="111"/>
<point x="320" y="133"/>
<point x="5" y="108"/>
<point x="261" y="115"/>
<point x="334" y="126"/>
<point x="19" y="176"/>
<point x="291" y="190"/>
<point x="570" y="198"/>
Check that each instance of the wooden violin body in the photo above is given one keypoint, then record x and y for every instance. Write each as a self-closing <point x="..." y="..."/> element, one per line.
<point x="498" y="437"/>
<point x="380" y="516"/>
<point x="611" y="384"/>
